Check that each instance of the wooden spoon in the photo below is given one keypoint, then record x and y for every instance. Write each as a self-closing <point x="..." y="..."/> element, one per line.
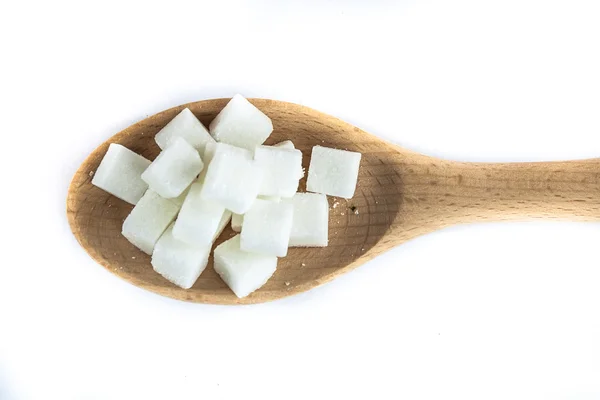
<point x="400" y="195"/>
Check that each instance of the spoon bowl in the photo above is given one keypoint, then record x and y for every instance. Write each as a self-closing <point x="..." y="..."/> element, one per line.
<point x="399" y="195"/>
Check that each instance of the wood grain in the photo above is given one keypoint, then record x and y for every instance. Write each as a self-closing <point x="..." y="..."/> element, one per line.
<point x="400" y="195"/>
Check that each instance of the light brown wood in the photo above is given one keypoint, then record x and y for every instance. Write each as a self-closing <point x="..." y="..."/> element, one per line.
<point x="400" y="195"/>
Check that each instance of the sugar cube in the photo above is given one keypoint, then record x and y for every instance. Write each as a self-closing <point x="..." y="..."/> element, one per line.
<point x="238" y="219"/>
<point x="243" y="272"/>
<point x="333" y="172"/>
<point x="241" y="124"/>
<point x="120" y="173"/>
<point x="174" y="169"/>
<point x="179" y="262"/>
<point x="282" y="170"/>
<point x="185" y="125"/>
<point x="232" y="179"/>
<point x="236" y="222"/>
<point x="266" y="228"/>
<point x="286" y="144"/>
<point x="148" y="220"/>
<point x="198" y="220"/>
<point x="310" y="221"/>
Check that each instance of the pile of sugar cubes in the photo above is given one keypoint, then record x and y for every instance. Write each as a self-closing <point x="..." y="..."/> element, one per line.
<point x="202" y="179"/>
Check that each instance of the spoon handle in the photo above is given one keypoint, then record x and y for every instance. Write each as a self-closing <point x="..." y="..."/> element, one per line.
<point x="447" y="193"/>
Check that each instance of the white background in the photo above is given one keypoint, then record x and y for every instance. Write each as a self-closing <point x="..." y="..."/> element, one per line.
<point x="492" y="311"/>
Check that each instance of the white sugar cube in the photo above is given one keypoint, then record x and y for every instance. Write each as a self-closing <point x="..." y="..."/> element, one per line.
<point x="286" y="144"/>
<point x="179" y="262"/>
<point x="243" y="272"/>
<point x="311" y="220"/>
<point x="185" y="125"/>
<point x="174" y="169"/>
<point x="238" y="219"/>
<point x="266" y="228"/>
<point x="333" y="172"/>
<point x="120" y="173"/>
<point x="232" y="179"/>
<point x="236" y="222"/>
<point x="148" y="220"/>
<point x="198" y="220"/>
<point x="282" y="170"/>
<point x="241" y="124"/>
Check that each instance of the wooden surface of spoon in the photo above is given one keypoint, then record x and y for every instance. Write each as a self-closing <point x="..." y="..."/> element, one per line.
<point x="400" y="195"/>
